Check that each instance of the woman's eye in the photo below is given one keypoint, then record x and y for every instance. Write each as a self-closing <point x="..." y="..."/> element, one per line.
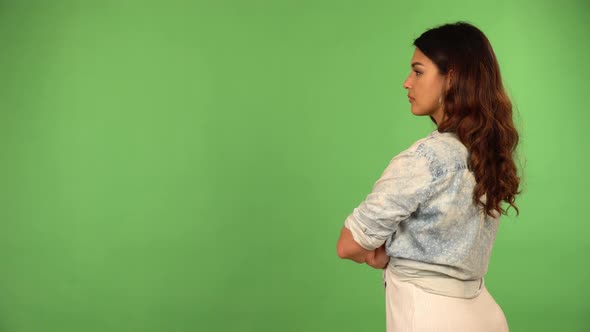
<point x="417" y="73"/>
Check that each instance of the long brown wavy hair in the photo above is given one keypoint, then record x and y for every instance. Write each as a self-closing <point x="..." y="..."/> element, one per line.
<point x="477" y="109"/>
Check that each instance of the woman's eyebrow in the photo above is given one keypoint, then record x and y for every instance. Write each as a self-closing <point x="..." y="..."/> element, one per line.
<point x="417" y="64"/>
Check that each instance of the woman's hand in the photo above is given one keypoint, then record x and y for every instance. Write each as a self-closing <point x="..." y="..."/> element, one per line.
<point x="378" y="258"/>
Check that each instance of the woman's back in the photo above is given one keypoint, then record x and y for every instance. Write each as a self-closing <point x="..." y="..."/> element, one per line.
<point x="448" y="233"/>
<point x="422" y="208"/>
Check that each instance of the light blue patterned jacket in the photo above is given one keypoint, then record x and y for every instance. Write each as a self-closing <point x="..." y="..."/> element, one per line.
<point x="422" y="208"/>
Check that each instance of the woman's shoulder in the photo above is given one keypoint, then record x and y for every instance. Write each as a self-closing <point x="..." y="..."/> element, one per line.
<point x="440" y="149"/>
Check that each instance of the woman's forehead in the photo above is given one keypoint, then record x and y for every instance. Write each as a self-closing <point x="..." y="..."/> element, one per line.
<point x="420" y="59"/>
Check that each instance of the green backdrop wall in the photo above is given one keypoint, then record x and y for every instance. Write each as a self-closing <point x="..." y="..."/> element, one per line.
<point x="187" y="166"/>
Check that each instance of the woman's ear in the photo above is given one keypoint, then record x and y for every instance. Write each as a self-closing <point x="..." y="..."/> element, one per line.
<point x="449" y="79"/>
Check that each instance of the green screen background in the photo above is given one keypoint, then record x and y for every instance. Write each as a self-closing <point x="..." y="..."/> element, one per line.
<point x="187" y="166"/>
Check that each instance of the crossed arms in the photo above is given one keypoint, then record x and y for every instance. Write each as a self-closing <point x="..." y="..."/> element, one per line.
<point x="348" y="248"/>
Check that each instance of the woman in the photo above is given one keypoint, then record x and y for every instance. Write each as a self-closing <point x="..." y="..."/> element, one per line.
<point x="431" y="219"/>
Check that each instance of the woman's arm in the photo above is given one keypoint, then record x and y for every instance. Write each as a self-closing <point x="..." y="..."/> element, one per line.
<point x="348" y="248"/>
<point x="378" y="258"/>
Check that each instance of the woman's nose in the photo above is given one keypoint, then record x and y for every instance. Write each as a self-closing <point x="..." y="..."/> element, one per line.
<point x="407" y="83"/>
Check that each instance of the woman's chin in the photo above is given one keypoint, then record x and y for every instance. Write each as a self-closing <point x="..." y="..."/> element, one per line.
<point x="416" y="112"/>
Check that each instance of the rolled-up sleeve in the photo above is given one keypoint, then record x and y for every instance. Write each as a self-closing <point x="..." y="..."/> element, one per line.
<point x="403" y="186"/>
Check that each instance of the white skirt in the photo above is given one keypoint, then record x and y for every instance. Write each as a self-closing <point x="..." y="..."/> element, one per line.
<point x="411" y="309"/>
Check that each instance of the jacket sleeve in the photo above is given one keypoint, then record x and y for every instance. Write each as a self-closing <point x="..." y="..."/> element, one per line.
<point x="403" y="186"/>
